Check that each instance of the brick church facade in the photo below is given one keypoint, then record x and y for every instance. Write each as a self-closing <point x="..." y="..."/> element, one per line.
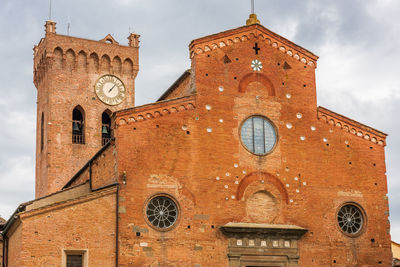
<point x="234" y="165"/>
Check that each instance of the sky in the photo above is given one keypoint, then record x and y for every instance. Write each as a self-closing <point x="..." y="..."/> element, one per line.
<point x="358" y="73"/>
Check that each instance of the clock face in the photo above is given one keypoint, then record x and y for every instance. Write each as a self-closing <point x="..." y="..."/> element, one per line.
<point x="110" y="90"/>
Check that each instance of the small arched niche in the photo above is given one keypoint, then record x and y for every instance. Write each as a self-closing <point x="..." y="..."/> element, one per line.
<point x="105" y="63"/>
<point x="262" y="207"/>
<point x="127" y="67"/>
<point x="264" y="196"/>
<point x="58" y="57"/>
<point x="93" y="62"/>
<point x="116" y="65"/>
<point x="82" y="61"/>
<point x="256" y="83"/>
<point x="70" y="60"/>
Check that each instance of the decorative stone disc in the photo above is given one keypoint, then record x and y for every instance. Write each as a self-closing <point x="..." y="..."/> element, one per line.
<point x="256" y="65"/>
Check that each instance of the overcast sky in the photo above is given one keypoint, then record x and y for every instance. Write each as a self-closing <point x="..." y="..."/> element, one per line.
<point x="358" y="73"/>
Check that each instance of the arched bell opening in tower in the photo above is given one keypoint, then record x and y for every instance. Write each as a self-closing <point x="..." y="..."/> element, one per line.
<point x="106" y="131"/>
<point x="78" y="130"/>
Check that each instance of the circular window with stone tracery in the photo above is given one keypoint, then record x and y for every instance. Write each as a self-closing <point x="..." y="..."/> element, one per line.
<point x="350" y="219"/>
<point x="162" y="212"/>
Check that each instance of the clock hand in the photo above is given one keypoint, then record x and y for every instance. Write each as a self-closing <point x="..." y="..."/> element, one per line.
<point x="112" y="88"/>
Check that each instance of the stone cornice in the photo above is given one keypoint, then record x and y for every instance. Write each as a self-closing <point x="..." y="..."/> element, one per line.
<point x="69" y="202"/>
<point x="351" y="126"/>
<point x="288" y="231"/>
<point x="257" y="31"/>
<point x="154" y="110"/>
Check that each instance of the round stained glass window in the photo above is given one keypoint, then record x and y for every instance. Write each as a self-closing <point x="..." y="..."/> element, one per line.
<point x="350" y="219"/>
<point x="258" y="135"/>
<point x="162" y="212"/>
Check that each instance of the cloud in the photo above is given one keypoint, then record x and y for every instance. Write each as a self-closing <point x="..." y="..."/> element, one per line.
<point x="16" y="183"/>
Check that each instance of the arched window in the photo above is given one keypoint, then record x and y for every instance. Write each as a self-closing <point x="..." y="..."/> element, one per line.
<point x="78" y="126"/>
<point x="105" y="127"/>
<point x="42" y="132"/>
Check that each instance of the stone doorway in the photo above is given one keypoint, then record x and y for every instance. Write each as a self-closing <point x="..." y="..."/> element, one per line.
<point x="263" y="245"/>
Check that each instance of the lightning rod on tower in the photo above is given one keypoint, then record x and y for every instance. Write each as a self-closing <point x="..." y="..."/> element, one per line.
<point x="253" y="17"/>
<point x="50" y="10"/>
<point x="68" y="25"/>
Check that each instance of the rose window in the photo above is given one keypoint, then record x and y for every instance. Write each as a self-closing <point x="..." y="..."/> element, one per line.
<point x="162" y="212"/>
<point x="350" y="219"/>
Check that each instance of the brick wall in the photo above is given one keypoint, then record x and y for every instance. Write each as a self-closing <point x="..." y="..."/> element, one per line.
<point x="314" y="168"/>
<point x="65" y="71"/>
<point x="15" y="246"/>
<point x="104" y="168"/>
<point x="86" y="223"/>
<point x="190" y="150"/>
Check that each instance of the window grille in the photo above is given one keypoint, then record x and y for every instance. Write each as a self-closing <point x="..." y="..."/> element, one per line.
<point x="350" y="219"/>
<point x="74" y="260"/>
<point x="162" y="212"/>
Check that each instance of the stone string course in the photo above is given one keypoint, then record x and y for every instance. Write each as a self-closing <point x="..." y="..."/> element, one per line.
<point x="157" y="111"/>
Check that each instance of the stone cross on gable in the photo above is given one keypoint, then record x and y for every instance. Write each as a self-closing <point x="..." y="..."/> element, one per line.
<point x="256" y="48"/>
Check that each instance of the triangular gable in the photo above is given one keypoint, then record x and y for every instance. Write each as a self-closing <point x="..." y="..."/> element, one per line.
<point x="245" y="33"/>
<point x="109" y="39"/>
<point x="181" y="87"/>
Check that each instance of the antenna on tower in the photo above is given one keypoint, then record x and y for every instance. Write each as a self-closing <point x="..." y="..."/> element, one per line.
<point x="68" y="25"/>
<point x="253" y="17"/>
<point x="50" y="10"/>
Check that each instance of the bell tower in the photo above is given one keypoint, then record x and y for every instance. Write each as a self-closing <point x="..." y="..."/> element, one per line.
<point x="80" y="83"/>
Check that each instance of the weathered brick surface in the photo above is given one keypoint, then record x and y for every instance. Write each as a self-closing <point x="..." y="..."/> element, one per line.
<point x="14" y="257"/>
<point x="104" y="169"/>
<point x="100" y="171"/>
<point x="174" y="154"/>
<point x="82" y="177"/>
<point x="65" y="71"/>
<point x="85" y="223"/>
<point x="190" y="149"/>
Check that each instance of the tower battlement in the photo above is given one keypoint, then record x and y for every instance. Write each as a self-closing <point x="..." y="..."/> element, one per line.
<point x="74" y="54"/>
<point x="80" y="83"/>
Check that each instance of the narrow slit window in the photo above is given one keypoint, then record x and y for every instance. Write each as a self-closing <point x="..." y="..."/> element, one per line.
<point x="42" y="132"/>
